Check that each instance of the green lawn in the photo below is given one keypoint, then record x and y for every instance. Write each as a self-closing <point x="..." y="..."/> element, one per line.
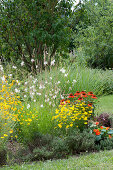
<point x="105" y="104"/>
<point x="102" y="160"/>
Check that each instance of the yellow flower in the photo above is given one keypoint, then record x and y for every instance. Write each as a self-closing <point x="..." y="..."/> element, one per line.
<point x="60" y="126"/>
<point x="5" y="135"/>
<point x="67" y="126"/>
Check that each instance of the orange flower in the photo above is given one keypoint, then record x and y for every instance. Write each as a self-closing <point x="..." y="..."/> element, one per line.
<point x="97" y="123"/>
<point x="90" y="93"/>
<point x="101" y="127"/>
<point x="107" y="128"/>
<point x="70" y="95"/>
<point x="94" y="97"/>
<point x="80" y="98"/>
<point x="97" y="133"/>
<point x="110" y="136"/>
<point x="77" y="93"/>
<point x="96" y="130"/>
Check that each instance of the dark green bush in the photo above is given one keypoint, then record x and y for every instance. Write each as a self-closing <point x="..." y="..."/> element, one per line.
<point x="3" y="156"/>
<point x="80" y="141"/>
<point x="59" y="147"/>
<point x="105" y="144"/>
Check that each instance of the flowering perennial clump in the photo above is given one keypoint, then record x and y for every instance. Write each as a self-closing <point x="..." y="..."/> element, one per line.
<point x="102" y="132"/>
<point x="11" y="110"/>
<point x="76" y="110"/>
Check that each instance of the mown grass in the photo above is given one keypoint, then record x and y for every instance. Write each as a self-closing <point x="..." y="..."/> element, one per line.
<point x="105" y="105"/>
<point x="102" y="160"/>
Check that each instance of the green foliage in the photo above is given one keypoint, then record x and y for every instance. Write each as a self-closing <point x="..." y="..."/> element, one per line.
<point x="95" y="36"/>
<point x="80" y="141"/>
<point x="105" y="144"/>
<point x="3" y="156"/>
<point x="33" y="31"/>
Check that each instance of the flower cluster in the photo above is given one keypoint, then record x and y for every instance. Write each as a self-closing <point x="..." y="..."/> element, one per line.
<point x="102" y="132"/>
<point x="11" y="110"/>
<point x="74" y="111"/>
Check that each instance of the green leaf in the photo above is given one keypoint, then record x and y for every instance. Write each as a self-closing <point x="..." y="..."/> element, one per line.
<point x="110" y="132"/>
<point x="98" y="137"/>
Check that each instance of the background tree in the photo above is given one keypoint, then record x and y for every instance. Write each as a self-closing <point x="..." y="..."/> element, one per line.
<point x="33" y="30"/>
<point x="94" y="32"/>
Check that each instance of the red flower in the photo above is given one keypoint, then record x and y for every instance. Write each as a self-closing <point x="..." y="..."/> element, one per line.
<point x="90" y="93"/>
<point x="97" y="123"/>
<point x="84" y="95"/>
<point x="83" y="92"/>
<point x="94" y="96"/>
<point x="71" y="95"/>
<point x="90" y="104"/>
<point x="110" y="136"/>
<point x="107" y="128"/>
<point x="95" y="130"/>
<point x="62" y="102"/>
<point x="101" y="127"/>
<point x="77" y="93"/>
<point x="97" y="133"/>
<point x="80" y="98"/>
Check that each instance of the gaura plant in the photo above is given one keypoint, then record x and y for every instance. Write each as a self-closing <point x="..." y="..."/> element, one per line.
<point x="75" y="110"/>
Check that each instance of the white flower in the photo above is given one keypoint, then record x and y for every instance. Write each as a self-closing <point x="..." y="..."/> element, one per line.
<point x="35" y="81"/>
<point x="45" y="63"/>
<point x="65" y="75"/>
<point x="14" y="67"/>
<point x="38" y="94"/>
<point x="74" y="81"/>
<point x="49" y="103"/>
<point x="45" y="95"/>
<point x="3" y="78"/>
<point x="58" y="82"/>
<point x="48" y="100"/>
<point x="25" y="96"/>
<point x="53" y="63"/>
<point x="70" y="88"/>
<point x="63" y="70"/>
<point x="34" y="100"/>
<point x="26" y="83"/>
<point x="41" y="105"/>
<point x="32" y="60"/>
<point x="25" y="90"/>
<point x="36" y="66"/>
<point x="22" y="63"/>
<point x="50" y="78"/>
<point x="54" y="97"/>
<point x="45" y="82"/>
<point x="62" y="97"/>
<point x="28" y="106"/>
<point x="56" y="92"/>
<point x="1" y="67"/>
<point x="32" y="93"/>
<point x="41" y="86"/>
<point x="17" y="91"/>
<point x="10" y="75"/>
<point x="18" y="82"/>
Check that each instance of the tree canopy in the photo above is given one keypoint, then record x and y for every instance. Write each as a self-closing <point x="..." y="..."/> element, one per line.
<point x="33" y="30"/>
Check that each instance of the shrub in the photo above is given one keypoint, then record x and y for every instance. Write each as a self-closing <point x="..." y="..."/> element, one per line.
<point x="103" y="119"/>
<point x="80" y="142"/>
<point x="3" y="156"/>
